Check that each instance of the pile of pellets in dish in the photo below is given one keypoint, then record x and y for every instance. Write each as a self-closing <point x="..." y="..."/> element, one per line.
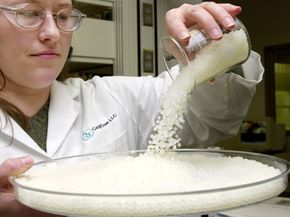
<point x="148" y="185"/>
<point x="152" y="184"/>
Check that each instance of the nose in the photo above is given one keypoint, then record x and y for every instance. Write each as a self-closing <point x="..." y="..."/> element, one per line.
<point x="49" y="32"/>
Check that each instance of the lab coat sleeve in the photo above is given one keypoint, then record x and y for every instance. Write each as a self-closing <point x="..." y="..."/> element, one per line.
<point x="215" y="111"/>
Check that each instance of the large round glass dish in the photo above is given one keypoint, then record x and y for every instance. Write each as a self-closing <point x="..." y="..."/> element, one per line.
<point x="193" y="199"/>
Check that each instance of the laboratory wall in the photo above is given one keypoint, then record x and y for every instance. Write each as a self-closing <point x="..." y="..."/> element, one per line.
<point x="125" y="44"/>
<point x="268" y="24"/>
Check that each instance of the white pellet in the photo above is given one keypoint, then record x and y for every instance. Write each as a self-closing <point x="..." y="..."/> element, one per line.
<point x="210" y="61"/>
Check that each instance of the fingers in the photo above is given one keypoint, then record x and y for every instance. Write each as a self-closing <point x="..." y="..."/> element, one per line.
<point x="233" y="10"/>
<point x="208" y="15"/>
<point x="9" y="206"/>
<point x="175" y="25"/>
<point x="217" y="15"/>
<point x="15" y="166"/>
<point x="12" y="167"/>
<point x="206" y="21"/>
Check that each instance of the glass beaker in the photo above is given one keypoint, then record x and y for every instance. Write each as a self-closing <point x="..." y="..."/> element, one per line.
<point x="218" y="56"/>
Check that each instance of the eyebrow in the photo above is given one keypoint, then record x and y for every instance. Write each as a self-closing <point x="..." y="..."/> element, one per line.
<point x="60" y="4"/>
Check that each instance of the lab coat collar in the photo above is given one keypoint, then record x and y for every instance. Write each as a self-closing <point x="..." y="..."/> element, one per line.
<point x="63" y="110"/>
<point x="15" y="132"/>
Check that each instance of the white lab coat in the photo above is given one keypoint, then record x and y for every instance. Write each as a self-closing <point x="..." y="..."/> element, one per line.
<point x="116" y="114"/>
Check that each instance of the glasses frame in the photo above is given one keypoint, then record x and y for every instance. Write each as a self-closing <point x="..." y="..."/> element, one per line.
<point x="14" y="10"/>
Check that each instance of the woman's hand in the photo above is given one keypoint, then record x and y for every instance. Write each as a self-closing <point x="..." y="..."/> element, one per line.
<point x="208" y="15"/>
<point x="9" y="206"/>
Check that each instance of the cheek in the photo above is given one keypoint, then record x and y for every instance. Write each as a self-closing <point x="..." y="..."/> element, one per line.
<point x="65" y="44"/>
<point x="66" y="41"/>
<point x="9" y="54"/>
<point x="12" y="43"/>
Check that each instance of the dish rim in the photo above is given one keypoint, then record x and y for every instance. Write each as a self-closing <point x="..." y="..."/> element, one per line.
<point x="282" y="162"/>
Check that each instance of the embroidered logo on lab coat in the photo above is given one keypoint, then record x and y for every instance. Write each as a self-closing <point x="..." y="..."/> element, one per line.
<point x="89" y="133"/>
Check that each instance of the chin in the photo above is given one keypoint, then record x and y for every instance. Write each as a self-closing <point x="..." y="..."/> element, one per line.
<point x="44" y="79"/>
<point x="49" y="73"/>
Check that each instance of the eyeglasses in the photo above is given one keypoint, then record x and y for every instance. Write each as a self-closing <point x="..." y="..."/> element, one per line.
<point x="31" y="16"/>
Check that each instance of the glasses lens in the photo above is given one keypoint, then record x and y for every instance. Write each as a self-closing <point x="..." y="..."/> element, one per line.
<point x="68" y="19"/>
<point x="30" y="16"/>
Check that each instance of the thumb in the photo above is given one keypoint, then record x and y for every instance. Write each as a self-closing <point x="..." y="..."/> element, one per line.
<point x="13" y="167"/>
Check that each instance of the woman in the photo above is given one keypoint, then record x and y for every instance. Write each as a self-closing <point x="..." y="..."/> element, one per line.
<point x="102" y="114"/>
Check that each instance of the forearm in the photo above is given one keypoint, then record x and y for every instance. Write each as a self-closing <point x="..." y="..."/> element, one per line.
<point x="9" y="206"/>
<point x="215" y="111"/>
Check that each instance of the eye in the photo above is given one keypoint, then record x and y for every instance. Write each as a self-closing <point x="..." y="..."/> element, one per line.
<point x="30" y="13"/>
<point x="64" y="16"/>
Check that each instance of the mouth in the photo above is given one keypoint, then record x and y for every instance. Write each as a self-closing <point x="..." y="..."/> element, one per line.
<point x="46" y="55"/>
